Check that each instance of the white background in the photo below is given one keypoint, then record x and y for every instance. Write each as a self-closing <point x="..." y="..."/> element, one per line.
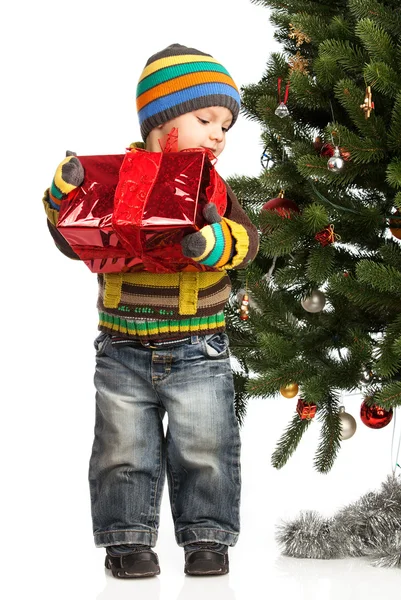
<point x="69" y="74"/>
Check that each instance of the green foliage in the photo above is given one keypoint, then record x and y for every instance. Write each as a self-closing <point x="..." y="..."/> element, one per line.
<point x="394" y="135"/>
<point x="352" y="44"/>
<point x="330" y="432"/>
<point x="289" y="441"/>
<point x="393" y="173"/>
<point x="349" y="56"/>
<point x="376" y="41"/>
<point x="385" y="16"/>
<point x="320" y="264"/>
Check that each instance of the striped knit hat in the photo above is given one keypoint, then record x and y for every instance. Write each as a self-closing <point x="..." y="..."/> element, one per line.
<point x="178" y="80"/>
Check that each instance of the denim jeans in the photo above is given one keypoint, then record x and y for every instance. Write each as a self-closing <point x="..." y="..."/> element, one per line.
<point x="200" y="451"/>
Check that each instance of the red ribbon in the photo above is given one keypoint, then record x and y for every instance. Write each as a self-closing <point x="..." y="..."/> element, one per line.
<point x="287" y="88"/>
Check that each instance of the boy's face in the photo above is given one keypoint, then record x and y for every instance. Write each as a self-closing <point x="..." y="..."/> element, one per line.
<point x="202" y="128"/>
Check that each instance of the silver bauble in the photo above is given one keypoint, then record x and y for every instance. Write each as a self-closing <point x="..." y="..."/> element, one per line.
<point x="282" y="111"/>
<point x="348" y="424"/>
<point x="315" y="302"/>
<point x="335" y="162"/>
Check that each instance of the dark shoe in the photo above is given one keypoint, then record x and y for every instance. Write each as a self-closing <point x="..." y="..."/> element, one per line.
<point x="206" y="558"/>
<point x="141" y="562"/>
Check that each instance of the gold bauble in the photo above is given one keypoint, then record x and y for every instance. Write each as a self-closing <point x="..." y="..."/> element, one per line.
<point x="289" y="391"/>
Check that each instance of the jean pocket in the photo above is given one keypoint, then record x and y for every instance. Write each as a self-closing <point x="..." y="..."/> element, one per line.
<point x="100" y="343"/>
<point x="217" y="345"/>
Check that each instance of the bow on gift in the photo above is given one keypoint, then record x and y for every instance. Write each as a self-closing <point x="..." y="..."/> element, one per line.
<point x="327" y="236"/>
<point x="162" y="197"/>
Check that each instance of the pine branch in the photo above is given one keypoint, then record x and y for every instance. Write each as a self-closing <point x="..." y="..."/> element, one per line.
<point x="329" y="436"/>
<point x="289" y="441"/>
<point x="389" y="396"/>
<point x="376" y="41"/>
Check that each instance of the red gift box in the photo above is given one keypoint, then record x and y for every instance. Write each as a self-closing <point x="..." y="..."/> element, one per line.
<point x="132" y="210"/>
<point x="159" y="199"/>
<point x="85" y="218"/>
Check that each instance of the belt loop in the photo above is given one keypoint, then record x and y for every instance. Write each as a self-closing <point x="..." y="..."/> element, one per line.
<point x="194" y="339"/>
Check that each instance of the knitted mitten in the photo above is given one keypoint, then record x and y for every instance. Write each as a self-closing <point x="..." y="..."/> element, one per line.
<point x="69" y="175"/>
<point x="212" y="245"/>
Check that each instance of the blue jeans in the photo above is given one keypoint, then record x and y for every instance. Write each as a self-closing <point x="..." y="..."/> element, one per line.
<point x="135" y="387"/>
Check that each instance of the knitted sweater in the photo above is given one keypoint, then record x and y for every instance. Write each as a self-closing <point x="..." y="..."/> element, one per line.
<point x="156" y="306"/>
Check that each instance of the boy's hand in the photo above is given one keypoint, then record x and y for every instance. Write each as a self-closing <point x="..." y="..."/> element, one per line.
<point x="69" y="175"/>
<point x="212" y="245"/>
<point x="72" y="171"/>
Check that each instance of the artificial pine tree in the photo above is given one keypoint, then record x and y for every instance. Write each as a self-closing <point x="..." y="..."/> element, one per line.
<point x="325" y="289"/>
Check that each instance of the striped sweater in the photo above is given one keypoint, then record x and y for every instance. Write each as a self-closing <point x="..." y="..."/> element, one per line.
<point x="156" y="306"/>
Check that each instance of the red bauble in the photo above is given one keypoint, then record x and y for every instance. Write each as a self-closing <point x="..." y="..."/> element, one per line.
<point x="282" y="206"/>
<point x="375" y="416"/>
<point x="328" y="150"/>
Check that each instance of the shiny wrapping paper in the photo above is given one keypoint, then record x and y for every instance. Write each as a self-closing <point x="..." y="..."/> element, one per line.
<point x="85" y="219"/>
<point x="132" y="210"/>
<point x="159" y="199"/>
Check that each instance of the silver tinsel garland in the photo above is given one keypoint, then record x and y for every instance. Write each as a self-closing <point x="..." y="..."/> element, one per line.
<point x="369" y="527"/>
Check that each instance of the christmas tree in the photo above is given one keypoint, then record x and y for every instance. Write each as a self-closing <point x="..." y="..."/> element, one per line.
<point x="324" y="293"/>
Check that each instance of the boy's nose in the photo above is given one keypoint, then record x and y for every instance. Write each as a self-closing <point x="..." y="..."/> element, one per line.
<point x="216" y="134"/>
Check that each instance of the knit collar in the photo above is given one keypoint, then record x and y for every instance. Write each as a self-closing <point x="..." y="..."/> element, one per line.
<point x="138" y="145"/>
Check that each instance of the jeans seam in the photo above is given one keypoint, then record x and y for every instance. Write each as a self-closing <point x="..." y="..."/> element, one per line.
<point x="156" y="485"/>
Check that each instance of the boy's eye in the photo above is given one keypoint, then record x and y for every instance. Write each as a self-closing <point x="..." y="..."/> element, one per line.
<point x="225" y="129"/>
<point x="203" y="121"/>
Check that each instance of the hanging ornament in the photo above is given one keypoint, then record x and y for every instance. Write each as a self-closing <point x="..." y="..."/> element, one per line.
<point x="282" y="110"/>
<point x="290" y="390"/>
<point x="306" y="410"/>
<point x="315" y="302"/>
<point x="298" y="63"/>
<point x="328" y="149"/>
<point x="348" y="424"/>
<point x="299" y="36"/>
<point x="266" y="160"/>
<point x="327" y="236"/>
<point x="335" y="163"/>
<point x="252" y="303"/>
<point x="318" y="144"/>
<point x="395" y="225"/>
<point x="375" y="416"/>
<point x="243" y="299"/>
<point x="281" y="205"/>
<point x="368" y="105"/>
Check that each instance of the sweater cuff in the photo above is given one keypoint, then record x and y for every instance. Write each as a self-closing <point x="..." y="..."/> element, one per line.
<point x="241" y="241"/>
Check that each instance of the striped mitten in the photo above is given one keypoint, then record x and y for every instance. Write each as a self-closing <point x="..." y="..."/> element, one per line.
<point x="69" y="175"/>
<point x="213" y="245"/>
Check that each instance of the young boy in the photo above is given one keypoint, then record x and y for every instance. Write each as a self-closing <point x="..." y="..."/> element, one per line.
<point x="162" y="348"/>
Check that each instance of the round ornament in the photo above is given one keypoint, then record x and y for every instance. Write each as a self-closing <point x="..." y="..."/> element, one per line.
<point x="290" y="390"/>
<point x="318" y="143"/>
<point x="282" y="206"/>
<point x="315" y="302"/>
<point x="327" y="150"/>
<point x="395" y="225"/>
<point x="348" y="424"/>
<point x="375" y="416"/>
<point x="335" y="163"/>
